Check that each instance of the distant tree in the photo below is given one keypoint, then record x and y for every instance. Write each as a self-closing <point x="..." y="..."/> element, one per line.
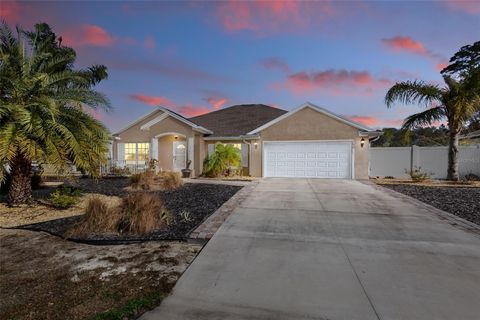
<point x="457" y="102"/>
<point x="464" y="62"/>
<point x="43" y="104"/>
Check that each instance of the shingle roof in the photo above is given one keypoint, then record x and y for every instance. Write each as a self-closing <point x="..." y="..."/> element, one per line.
<point x="237" y="120"/>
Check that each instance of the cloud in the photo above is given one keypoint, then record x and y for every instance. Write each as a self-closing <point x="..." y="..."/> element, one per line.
<point x="333" y="82"/>
<point x="187" y="109"/>
<point x="375" y="122"/>
<point x="190" y="110"/>
<point x="267" y="15"/>
<point x="406" y="44"/>
<point x="274" y="63"/>
<point x="441" y="65"/>
<point x="87" y="35"/>
<point x="216" y="103"/>
<point x="365" y="120"/>
<point x="152" y="100"/>
<point x="409" y="45"/>
<point x="469" y="7"/>
<point x="149" y="43"/>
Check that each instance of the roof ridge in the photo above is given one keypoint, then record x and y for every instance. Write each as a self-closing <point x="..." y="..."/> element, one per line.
<point x="238" y="105"/>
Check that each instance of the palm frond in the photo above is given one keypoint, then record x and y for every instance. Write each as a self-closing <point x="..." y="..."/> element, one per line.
<point x="410" y="92"/>
<point x="424" y="118"/>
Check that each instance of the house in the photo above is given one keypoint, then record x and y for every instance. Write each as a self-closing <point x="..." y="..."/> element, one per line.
<point x="308" y="141"/>
<point x="470" y="138"/>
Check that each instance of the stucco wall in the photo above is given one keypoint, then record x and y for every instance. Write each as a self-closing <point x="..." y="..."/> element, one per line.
<point x="308" y="124"/>
<point x="165" y="143"/>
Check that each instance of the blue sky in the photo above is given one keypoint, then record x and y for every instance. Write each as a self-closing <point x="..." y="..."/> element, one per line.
<point x="195" y="57"/>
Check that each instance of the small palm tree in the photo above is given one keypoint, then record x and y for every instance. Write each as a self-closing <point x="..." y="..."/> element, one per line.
<point x="456" y="102"/>
<point x="43" y="104"/>
<point x="224" y="157"/>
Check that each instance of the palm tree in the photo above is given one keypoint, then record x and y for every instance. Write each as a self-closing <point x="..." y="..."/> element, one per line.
<point x="455" y="102"/>
<point x="44" y="107"/>
<point x="224" y="157"/>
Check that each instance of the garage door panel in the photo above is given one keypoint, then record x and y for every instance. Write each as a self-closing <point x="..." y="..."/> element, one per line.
<point x="308" y="159"/>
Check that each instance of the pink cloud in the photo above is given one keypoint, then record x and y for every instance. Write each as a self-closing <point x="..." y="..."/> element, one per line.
<point x="407" y="44"/>
<point x="365" y="120"/>
<point x="216" y="102"/>
<point x="190" y="110"/>
<point x="274" y="63"/>
<point x="149" y="43"/>
<point x="440" y="66"/>
<point x="469" y="7"/>
<point x="152" y="100"/>
<point x="270" y="15"/>
<point x="87" y="34"/>
<point x="333" y="82"/>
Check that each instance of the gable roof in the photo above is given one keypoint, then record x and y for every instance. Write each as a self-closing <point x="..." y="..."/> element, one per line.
<point x="165" y="113"/>
<point x="237" y="120"/>
<point x="316" y="108"/>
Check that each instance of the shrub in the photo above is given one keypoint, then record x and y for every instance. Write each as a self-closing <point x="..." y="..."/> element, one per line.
<point x="170" y="180"/>
<point x="389" y="177"/>
<point x="222" y="160"/>
<point x="149" y="180"/>
<point x="98" y="218"/>
<point x="141" y="212"/>
<point x="472" y="177"/>
<point x="65" y="197"/>
<point x="417" y="175"/>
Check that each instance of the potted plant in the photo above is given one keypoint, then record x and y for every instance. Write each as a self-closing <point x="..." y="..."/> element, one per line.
<point x="187" y="171"/>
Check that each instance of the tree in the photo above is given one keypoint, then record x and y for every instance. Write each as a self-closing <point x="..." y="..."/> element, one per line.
<point x="456" y="102"/>
<point x="465" y="61"/>
<point x="44" y="104"/>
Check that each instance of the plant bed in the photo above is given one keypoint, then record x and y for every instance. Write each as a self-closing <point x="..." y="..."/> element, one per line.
<point x="198" y="200"/>
<point x="460" y="201"/>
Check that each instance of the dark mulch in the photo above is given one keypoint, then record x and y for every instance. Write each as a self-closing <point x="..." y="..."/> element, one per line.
<point x="462" y="202"/>
<point x="199" y="200"/>
<point x="107" y="186"/>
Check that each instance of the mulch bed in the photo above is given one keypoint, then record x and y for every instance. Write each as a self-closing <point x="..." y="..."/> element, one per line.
<point x="199" y="200"/>
<point x="462" y="202"/>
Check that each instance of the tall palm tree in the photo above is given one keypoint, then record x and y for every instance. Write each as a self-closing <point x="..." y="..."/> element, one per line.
<point x="455" y="102"/>
<point x="44" y="106"/>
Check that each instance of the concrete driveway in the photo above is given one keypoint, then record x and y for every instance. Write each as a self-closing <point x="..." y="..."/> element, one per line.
<point x="328" y="249"/>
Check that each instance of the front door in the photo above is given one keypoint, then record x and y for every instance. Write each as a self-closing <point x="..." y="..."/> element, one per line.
<point x="179" y="155"/>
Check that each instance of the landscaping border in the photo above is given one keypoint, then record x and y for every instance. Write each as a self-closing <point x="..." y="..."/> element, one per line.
<point x="207" y="229"/>
<point x="444" y="215"/>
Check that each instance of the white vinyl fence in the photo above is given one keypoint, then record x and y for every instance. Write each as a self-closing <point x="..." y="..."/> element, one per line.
<point x="433" y="160"/>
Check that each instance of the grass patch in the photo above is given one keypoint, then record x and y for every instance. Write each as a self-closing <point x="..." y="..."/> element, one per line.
<point x="132" y="308"/>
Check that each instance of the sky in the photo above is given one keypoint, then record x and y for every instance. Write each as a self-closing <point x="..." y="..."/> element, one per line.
<point x="197" y="56"/>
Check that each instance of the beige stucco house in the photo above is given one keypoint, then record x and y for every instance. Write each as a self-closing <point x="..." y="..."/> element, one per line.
<point x="308" y="141"/>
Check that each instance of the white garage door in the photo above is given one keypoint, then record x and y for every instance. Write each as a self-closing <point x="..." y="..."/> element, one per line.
<point x="308" y="159"/>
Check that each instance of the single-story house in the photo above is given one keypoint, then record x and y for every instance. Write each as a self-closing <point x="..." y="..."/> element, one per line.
<point x="308" y="141"/>
<point x="470" y="138"/>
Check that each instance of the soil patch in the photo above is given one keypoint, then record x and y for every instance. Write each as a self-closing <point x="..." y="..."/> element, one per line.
<point x="44" y="277"/>
<point x="462" y="202"/>
<point x="190" y="205"/>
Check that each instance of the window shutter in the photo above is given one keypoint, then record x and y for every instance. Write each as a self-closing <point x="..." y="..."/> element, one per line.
<point x="121" y="154"/>
<point x="245" y="155"/>
<point x="211" y="148"/>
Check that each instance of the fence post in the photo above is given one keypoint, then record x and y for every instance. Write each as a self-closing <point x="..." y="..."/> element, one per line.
<point x="414" y="157"/>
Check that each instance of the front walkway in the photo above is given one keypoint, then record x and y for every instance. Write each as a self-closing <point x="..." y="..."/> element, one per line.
<point x="328" y="249"/>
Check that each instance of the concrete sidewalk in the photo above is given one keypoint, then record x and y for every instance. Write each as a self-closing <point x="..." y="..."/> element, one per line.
<point x="329" y="249"/>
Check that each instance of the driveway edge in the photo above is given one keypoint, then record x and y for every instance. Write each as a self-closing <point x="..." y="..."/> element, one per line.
<point x="207" y="229"/>
<point x="449" y="217"/>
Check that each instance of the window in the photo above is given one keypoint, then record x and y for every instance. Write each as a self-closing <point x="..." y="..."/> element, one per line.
<point x="137" y="152"/>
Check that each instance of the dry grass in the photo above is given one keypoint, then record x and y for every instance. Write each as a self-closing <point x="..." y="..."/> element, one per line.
<point x="429" y="183"/>
<point x="149" y="180"/>
<point x="142" y="212"/>
<point x="138" y="213"/>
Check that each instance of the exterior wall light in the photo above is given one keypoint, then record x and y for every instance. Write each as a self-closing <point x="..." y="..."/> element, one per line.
<point x="175" y="137"/>
<point x="362" y="142"/>
<point x="255" y="145"/>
